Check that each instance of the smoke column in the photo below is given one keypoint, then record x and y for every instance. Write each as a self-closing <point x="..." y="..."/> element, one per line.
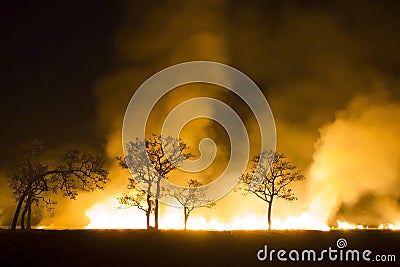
<point x="358" y="156"/>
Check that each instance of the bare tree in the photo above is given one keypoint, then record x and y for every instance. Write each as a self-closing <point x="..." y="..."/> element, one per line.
<point x="273" y="181"/>
<point x="148" y="167"/>
<point x="190" y="198"/>
<point x="33" y="180"/>
<point x="141" y="171"/>
<point x="138" y="198"/>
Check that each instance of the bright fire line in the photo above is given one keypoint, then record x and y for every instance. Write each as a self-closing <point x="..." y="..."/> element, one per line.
<point x="107" y="215"/>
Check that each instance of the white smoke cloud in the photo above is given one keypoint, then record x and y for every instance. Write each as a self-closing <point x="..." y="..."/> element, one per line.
<point x="357" y="154"/>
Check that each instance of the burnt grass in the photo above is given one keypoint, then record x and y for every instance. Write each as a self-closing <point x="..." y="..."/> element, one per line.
<point x="179" y="248"/>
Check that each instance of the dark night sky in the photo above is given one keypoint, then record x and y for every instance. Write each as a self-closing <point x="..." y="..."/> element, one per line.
<point x="51" y="53"/>
<point x="69" y="69"/>
<point x="55" y="55"/>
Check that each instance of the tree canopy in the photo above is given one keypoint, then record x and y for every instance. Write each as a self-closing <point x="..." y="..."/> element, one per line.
<point x="269" y="177"/>
<point x="34" y="178"/>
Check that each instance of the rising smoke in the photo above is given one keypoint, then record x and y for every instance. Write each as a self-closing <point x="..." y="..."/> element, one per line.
<point x="356" y="163"/>
<point x="309" y="65"/>
<point x="311" y="61"/>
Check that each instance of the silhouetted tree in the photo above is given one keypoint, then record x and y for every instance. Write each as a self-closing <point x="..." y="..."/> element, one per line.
<point x="145" y="165"/>
<point x="190" y="198"/>
<point x="141" y="171"/>
<point x="138" y="198"/>
<point x="273" y="181"/>
<point x="32" y="179"/>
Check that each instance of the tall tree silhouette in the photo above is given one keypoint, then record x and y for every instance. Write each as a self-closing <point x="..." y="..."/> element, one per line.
<point x="34" y="178"/>
<point x="148" y="167"/>
<point x="273" y="181"/>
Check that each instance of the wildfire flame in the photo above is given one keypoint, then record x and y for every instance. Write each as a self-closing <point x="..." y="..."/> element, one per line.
<point x="107" y="215"/>
<point x="348" y="226"/>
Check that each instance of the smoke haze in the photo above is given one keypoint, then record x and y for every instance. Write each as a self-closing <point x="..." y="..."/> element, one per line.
<point x="356" y="163"/>
<point x="330" y="72"/>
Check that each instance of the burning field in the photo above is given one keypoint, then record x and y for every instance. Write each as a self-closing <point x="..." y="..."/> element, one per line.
<point x="120" y="119"/>
<point x="345" y="187"/>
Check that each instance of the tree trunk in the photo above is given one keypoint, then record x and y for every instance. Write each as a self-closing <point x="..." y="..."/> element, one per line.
<point x="185" y="216"/>
<point x="28" y="222"/>
<point x="18" y="209"/>
<point x="23" y="214"/>
<point x="148" y="211"/>
<point x="156" y="206"/>
<point x="27" y="209"/>
<point x="156" y="215"/>
<point x="148" y="220"/>
<point x="269" y="213"/>
<point x="25" y="193"/>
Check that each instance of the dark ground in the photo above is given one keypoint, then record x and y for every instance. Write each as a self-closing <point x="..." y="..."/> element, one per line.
<point x="178" y="248"/>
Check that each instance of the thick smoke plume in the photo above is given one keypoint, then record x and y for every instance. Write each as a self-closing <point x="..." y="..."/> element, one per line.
<point x="311" y="60"/>
<point x="356" y="164"/>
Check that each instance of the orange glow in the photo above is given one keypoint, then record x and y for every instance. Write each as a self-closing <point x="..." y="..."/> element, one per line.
<point x="106" y="215"/>
<point x="347" y="226"/>
<point x="305" y="221"/>
<point x="389" y="226"/>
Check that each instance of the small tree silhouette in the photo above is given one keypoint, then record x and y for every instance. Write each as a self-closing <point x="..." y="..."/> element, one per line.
<point x="32" y="179"/>
<point x="148" y="167"/>
<point x="190" y="198"/>
<point x="273" y="181"/>
<point x="138" y="198"/>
